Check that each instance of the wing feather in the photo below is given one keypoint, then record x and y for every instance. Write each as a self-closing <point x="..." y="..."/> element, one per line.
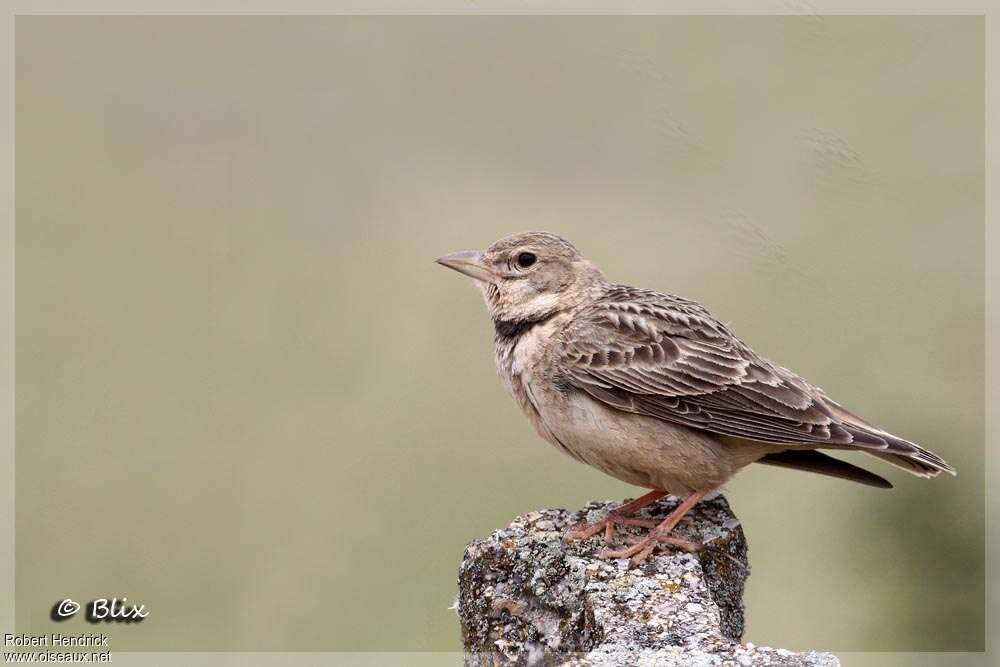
<point x="667" y="357"/>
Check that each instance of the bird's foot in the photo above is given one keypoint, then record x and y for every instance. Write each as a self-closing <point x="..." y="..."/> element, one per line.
<point x="641" y="549"/>
<point x="607" y="524"/>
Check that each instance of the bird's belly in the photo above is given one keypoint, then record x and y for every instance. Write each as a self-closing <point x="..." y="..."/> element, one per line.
<point x="636" y="449"/>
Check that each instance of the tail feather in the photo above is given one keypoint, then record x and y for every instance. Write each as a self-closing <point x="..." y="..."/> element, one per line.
<point x="813" y="461"/>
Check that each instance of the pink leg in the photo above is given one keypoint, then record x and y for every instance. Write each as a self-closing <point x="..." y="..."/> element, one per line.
<point x="641" y="550"/>
<point x="618" y="516"/>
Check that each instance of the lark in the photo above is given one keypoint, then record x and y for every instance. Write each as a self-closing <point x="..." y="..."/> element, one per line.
<point x="651" y="389"/>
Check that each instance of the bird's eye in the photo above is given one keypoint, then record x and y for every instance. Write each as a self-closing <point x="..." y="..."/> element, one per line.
<point x="526" y="259"/>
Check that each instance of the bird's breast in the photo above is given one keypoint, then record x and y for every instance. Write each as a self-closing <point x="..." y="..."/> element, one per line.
<point x="521" y="365"/>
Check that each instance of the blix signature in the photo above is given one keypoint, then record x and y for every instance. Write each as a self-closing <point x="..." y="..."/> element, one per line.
<point x="102" y="609"/>
<point x="115" y="609"/>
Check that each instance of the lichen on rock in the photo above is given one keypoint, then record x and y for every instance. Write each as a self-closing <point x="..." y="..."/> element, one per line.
<point x="525" y="598"/>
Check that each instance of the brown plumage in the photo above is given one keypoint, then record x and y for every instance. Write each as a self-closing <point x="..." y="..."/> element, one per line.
<point x="651" y="388"/>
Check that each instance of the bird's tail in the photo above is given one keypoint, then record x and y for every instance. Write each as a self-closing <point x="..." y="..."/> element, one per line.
<point x="811" y="460"/>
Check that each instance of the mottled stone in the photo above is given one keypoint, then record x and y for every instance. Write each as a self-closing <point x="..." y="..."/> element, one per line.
<point x="525" y="598"/>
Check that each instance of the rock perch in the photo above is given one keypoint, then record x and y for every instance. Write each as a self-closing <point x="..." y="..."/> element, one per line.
<point x="525" y="598"/>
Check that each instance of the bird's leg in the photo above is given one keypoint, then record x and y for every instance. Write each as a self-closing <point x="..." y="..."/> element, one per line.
<point x="641" y="550"/>
<point x="619" y="515"/>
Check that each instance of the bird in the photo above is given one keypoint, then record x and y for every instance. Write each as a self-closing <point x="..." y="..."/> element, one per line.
<point x="653" y="390"/>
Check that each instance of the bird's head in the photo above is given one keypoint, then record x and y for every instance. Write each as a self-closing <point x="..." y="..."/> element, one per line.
<point x="528" y="277"/>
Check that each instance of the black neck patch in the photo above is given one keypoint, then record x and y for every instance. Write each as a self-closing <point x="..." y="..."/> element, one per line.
<point x="515" y="328"/>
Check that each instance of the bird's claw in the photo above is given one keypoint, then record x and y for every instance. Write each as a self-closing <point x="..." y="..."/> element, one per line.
<point x="642" y="548"/>
<point x="607" y="524"/>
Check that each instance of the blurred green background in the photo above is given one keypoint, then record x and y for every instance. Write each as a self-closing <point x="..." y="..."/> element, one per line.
<point x="248" y="399"/>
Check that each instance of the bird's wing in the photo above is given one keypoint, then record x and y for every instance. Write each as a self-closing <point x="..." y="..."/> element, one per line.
<point x="667" y="357"/>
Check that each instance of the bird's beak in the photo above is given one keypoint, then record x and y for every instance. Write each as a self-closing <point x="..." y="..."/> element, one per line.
<point x="470" y="263"/>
